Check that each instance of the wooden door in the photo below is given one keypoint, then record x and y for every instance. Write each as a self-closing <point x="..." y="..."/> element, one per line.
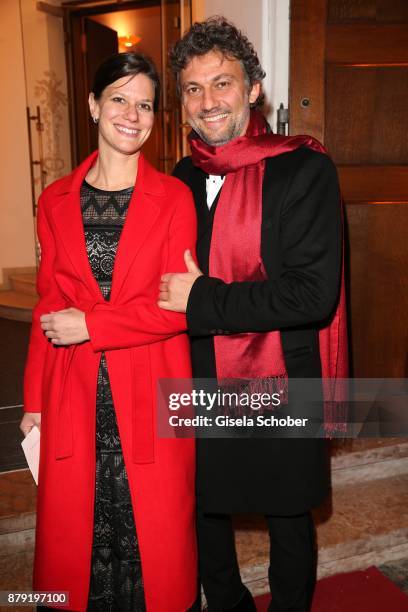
<point x="176" y="18"/>
<point x="349" y="88"/>
<point x="90" y="44"/>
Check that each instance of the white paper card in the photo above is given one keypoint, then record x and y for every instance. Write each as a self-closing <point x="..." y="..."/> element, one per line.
<point x="31" y="448"/>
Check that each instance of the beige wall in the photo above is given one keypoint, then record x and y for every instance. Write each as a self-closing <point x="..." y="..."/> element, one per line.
<point x="32" y="72"/>
<point x="17" y="247"/>
<point x="266" y="23"/>
<point x="247" y="15"/>
<point x="45" y="74"/>
<point x="198" y="10"/>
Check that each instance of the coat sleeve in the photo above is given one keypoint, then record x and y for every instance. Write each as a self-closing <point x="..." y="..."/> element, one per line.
<point x="307" y="289"/>
<point x="143" y="322"/>
<point x="50" y="298"/>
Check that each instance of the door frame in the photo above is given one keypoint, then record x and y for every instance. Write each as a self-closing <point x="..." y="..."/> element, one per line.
<point x="73" y="39"/>
<point x="307" y="84"/>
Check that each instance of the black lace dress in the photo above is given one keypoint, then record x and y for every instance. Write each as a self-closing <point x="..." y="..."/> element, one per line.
<point x="116" y="573"/>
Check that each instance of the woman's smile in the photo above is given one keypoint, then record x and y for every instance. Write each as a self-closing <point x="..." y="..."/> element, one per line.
<point x="125" y="114"/>
<point x="127" y="130"/>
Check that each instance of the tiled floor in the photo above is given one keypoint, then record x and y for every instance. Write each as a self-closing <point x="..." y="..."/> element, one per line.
<point x="18" y="493"/>
<point x="358" y="520"/>
<point x="362" y="512"/>
<point x="398" y="573"/>
<point x="342" y="447"/>
<point x="17" y="525"/>
<point x="17" y="531"/>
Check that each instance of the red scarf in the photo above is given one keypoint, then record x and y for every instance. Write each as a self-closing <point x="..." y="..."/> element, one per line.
<point x="235" y="255"/>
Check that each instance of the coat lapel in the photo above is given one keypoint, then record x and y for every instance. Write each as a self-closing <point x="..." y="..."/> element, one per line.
<point x="144" y="209"/>
<point x="68" y="220"/>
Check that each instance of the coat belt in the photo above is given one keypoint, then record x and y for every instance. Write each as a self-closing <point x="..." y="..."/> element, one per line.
<point x="64" y="434"/>
<point x="142" y="418"/>
<point x="64" y="444"/>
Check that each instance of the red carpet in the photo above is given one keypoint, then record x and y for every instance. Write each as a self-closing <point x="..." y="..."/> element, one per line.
<point x="363" y="591"/>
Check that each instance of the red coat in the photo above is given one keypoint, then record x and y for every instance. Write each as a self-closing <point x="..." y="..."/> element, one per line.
<point x="142" y="344"/>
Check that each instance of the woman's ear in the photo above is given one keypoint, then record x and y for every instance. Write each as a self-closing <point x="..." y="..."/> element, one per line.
<point x="93" y="107"/>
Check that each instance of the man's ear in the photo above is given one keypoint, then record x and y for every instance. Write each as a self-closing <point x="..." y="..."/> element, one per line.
<point x="254" y="92"/>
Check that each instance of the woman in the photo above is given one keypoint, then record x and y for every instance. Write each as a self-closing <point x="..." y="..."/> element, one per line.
<point x="115" y="524"/>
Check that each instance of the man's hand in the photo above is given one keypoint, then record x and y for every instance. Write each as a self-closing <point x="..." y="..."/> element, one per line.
<point x="175" y="288"/>
<point x="65" y="326"/>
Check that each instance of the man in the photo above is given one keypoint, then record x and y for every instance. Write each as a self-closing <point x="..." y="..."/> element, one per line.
<point x="269" y="254"/>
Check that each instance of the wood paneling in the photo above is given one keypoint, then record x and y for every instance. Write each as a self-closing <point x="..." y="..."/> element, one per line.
<point x="366" y="114"/>
<point x="379" y="289"/>
<point x="368" y="44"/>
<point x="310" y="82"/>
<point x="91" y="43"/>
<point x="379" y="11"/>
<point x="367" y="184"/>
<point x="363" y="120"/>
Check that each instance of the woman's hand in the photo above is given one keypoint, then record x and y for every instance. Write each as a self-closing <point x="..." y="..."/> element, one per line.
<point x="29" y="420"/>
<point x="65" y="327"/>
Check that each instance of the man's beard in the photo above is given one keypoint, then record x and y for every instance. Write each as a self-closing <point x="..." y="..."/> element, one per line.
<point x="233" y="131"/>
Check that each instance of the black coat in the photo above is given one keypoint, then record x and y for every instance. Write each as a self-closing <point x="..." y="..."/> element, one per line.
<point x="301" y="251"/>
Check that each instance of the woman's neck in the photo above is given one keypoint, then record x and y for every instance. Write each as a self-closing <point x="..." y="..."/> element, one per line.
<point x="113" y="171"/>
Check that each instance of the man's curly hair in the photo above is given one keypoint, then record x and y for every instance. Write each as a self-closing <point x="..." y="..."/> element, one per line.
<point x="217" y="34"/>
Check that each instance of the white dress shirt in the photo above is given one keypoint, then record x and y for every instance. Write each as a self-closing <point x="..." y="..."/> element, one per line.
<point x="213" y="184"/>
